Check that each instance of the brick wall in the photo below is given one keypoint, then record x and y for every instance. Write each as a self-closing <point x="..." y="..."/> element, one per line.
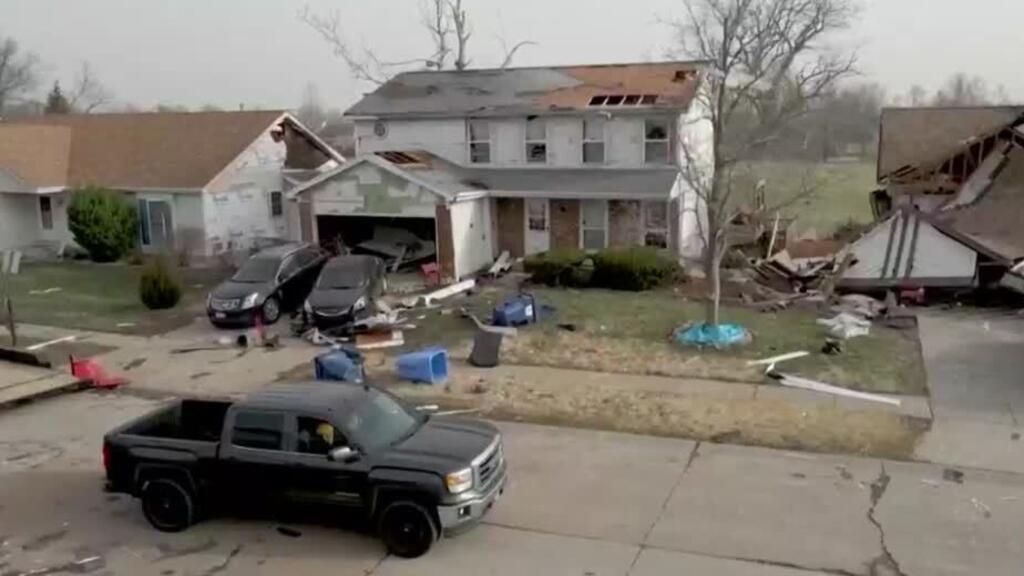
<point x="511" y="225"/>
<point x="625" y="227"/>
<point x="565" y="223"/>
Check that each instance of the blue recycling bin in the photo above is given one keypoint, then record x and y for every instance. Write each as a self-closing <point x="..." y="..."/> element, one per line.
<point x="342" y="365"/>
<point x="429" y="365"/>
<point x="518" y="310"/>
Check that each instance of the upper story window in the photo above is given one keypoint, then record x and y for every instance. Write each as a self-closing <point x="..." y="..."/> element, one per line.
<point x="479" y="141"/>
<point x="593" y="140"/>
<point x="536" y="141"/>
<point x="656" y="144"/>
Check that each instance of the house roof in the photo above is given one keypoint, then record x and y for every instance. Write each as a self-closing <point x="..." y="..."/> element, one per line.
<point x="914" y="136"/>
<point x="531" y="90"/>
<point x="143" y="150"/>
<point x="448" y="179"/>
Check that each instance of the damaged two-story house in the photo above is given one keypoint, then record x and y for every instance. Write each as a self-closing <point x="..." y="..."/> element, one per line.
<point x="522" y="160"/>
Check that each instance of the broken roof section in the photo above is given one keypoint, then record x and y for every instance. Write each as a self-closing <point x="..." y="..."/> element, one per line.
<point x="492" y="92"/>
<point x="911" y="137"/>
<point x="176" y="150"/>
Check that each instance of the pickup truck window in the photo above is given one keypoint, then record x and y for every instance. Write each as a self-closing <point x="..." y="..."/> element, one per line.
<point x="260" y="430"/>
<point x="317" y="436"/>
<point x="380" y="421"/>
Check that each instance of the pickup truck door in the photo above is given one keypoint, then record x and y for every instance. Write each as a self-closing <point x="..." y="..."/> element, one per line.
<point x="319" y="480"/>
<point x="254" y="466"/>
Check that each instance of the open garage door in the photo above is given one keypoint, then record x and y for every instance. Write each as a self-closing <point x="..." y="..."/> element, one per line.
<point x="409" y="241"/>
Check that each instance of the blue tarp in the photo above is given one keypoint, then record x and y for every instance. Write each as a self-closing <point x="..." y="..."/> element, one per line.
<point x="720" y="336"/>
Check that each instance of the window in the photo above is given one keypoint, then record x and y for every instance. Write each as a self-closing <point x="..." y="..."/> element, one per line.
<point x="537" y="214"/>
<point x="656" y="224"/>
<point x="259" y="430"/>
<point x="479" y="142"/>
<point x="380" y="421"/>
<point x="594" y="223"/>
<point x="291" y="265"/>
<point x="316" y="436"/>
<point x="46" y="212"/>
<point x="593" y="141"/>
<point x="276" y="208"/>
<point x="536" y="141"/>
<point x="656" y="142"/>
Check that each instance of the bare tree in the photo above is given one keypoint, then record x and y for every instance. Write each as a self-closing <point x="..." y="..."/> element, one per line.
<point x="963" y="90"/>
<point x="446" y="21"/>
<point x="311" y="112"/>
<point x="19" y="72"/>
<point x="88" y="93"/>
<point x="917" y="96"/>
<point x="765" y="65"/>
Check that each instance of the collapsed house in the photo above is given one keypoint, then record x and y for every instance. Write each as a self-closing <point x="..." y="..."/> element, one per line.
<point x="950" y="206"/>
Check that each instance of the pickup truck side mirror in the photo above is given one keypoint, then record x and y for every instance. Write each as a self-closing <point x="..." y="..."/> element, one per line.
<point x="343" y="454"/>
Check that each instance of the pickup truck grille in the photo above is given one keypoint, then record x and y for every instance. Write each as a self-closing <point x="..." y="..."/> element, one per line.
<point x="490" y="465"/>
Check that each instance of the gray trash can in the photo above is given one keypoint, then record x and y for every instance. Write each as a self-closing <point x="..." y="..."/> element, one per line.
<point x="486" y="347"/>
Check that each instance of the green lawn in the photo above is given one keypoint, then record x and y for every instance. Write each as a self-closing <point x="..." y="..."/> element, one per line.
<point x="840" y="191"/>
<point x="102" y="296"/>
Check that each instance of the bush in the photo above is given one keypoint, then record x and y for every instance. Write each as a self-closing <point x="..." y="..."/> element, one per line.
<point x="159" y="289"/>
<point x="558" y="267"/>
<point x="635" y="268"/>
<point x="102" y="222"/>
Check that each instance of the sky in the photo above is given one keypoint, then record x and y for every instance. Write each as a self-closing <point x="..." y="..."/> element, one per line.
<point x="258" y="52"/>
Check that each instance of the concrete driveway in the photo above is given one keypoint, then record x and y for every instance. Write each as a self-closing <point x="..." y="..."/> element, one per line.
<point x="580" y="503"/>
<point x="975" y="366"/>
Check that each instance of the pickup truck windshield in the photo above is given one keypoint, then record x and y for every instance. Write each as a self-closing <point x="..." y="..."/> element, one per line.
<point x="380" y="421"/>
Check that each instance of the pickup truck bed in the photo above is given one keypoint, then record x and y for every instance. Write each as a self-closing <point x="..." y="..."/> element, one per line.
<point x="200" y="420"/>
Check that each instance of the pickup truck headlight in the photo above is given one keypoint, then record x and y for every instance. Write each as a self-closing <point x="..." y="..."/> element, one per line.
<point x="460" y="481"/>
<point x="360" y="304"/>
<point x="250" y="301"/>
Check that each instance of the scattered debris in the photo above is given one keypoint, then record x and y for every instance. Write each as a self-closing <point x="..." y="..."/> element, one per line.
<point x="448" y="291"/>
<point x="397" y="247"/>
<point x="981" y="507"/>
<point x="806" y="384"/>
<point x="378" y="340"/>
<point x="932" y="483"/>
<point x="290" y="532"/>
<point x="134" y="364"/>
<point x="568" y="327"/>
<point x="846" y="326"/>
<point x="199" y="375"/>
<point x="501" y="265"/>
<point x="343" y="365"/>
<point x="429" y="365"/>
<point x="780" y="358"/>
<point x="832" y="347"/>
<point x="953" y="475"/>
<point x="125" y="324"/>
<point x="844" y="473"/>
<point x="91" y="370"/>
<point x="718" y="336"/>
<point x="47" y="291"/>
<point x="42" y="345"/>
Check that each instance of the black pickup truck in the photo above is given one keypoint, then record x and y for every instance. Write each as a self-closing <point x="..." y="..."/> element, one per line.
<point x="355" y="447"/>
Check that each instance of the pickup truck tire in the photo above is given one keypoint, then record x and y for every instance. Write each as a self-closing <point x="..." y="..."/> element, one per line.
<point x="169" y="506"/>
<point x="407" y="529"/>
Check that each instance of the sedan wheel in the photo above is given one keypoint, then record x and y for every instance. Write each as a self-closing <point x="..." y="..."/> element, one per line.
<point x="271" y="310"/>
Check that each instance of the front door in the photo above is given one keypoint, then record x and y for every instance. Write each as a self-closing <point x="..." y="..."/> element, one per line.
<point x="594" y="225"/>
<point x="156" y="224"/>
<point x="538" y="225"/>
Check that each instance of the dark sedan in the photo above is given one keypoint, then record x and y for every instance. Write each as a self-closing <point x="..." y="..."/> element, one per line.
<point x="346" y="291"/>
<point x="273" y="281"/>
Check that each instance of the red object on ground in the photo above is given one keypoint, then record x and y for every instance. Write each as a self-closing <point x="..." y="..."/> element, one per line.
<point x="915" y="295"/>
<point x="432" y="273"/>
<point x="92" y="371"/>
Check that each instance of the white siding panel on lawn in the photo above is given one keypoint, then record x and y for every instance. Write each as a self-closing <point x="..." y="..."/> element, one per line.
<point x="471" y="236"/>
<point x="935" y="255"/>
<point x="367" y="190"/>
<point x="444" y="137"/>
<point x="19" y="220"/>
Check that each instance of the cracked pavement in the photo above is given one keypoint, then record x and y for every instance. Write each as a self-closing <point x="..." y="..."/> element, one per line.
<point x="580" y="503"/>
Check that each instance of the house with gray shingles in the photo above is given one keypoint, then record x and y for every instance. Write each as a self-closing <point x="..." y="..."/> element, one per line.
<point x="522" y="160"/>
<point x="206" y="183"/>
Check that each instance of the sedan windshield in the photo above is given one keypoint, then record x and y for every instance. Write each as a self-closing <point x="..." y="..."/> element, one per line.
<point x="342" y="277"/>
<point x="256" y="270"/>
<point x="380" y="421"/>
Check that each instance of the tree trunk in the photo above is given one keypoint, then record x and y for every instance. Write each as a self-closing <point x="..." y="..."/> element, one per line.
<point x="712" y="269"/>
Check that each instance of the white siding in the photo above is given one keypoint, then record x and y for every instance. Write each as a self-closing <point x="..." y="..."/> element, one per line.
<point x="935" y="254"/>
<point x="19" y="220"/>
<point x="236" y="206"/>
<point x="367" y="190"/>
<point x="696" y="132"/>
<point x="624" y="141"/>
<point x="471" y="236"/>
<point x="444" y="137"/>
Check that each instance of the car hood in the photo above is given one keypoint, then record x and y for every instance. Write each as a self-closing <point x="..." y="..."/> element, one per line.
<point x="443" y="445"/>
<point x="230" y="289"/>
<point x="342" y="298"/>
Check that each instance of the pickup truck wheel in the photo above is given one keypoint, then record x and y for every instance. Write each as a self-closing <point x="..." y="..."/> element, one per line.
<point x="407" y="529"/>
<point x="167" y="505"/>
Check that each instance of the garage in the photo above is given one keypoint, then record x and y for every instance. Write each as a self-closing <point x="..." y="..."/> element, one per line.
<point x="419" y="211"/>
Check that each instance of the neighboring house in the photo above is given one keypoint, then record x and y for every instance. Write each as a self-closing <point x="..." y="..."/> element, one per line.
<point x="951" y="201"/>
<point x="520" y="160"/>
<point x="204" y="183"/>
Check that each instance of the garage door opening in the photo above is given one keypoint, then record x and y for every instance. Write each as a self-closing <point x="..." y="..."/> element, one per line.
<point x="407" y="241"/>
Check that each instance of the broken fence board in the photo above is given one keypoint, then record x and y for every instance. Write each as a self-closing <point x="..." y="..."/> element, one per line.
<point x="805" y="384"/>
<point x="449" y="291"/>
<point x="780" y="358"/>
<point x="42" y="345"/>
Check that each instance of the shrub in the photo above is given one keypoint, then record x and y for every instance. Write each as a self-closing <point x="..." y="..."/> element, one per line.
<point x="635" y="268"/>
<point x="159" y="289"/>
<point x="558" y="267"/>
<point x="102" y="222"/>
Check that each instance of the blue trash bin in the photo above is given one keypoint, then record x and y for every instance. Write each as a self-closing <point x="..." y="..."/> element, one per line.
<point x="429" y="365"/>
<point x="342" y="365"/>
<point x="518" y="310"/>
